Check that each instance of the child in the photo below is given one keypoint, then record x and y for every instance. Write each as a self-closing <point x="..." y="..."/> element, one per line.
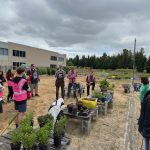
<point x="20" y="88"/>
<point x="1" y="97"/>
<point x="9" y="77"/>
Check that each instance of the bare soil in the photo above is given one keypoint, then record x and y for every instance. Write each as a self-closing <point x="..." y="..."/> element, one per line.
<point x="106" y="133"/>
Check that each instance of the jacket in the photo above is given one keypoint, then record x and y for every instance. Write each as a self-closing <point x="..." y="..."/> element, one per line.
<point x="143" y="91"/>
<point x="144" y="120"/>
<point x="72" y="76"/>
<point x="20" y="87"/>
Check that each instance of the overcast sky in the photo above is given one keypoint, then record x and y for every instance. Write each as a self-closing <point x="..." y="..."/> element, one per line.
<point x="77" y="26"/>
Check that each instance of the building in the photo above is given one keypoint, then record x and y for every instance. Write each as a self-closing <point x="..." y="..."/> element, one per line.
<point x="13" y="55"/>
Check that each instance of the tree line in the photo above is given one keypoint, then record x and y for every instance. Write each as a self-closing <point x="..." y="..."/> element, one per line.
<point x="120" y="60"/>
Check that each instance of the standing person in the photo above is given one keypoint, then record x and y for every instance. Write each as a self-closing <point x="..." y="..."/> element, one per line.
<point x="72" y="75"/>
<point x="1" y="97"/>
<point x="90" y="81"/>
<point x="144" y="120"/>
<point x="34" y="79"/>
<point x="9" y="77"/>
<point x="20" y="88"/>
<point x="144" y="88"/>
<point x="25" y="73"/>
<point x="2" y="78"/>
<point x="60" y="75"/>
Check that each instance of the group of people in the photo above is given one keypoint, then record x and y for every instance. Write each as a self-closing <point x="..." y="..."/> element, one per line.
<point x="20" y="87"/>
<point x="72" y="75"/>
<point x="22" y="83"/>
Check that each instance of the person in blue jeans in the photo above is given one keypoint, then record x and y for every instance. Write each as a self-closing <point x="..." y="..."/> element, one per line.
<point x="72" y="75"/>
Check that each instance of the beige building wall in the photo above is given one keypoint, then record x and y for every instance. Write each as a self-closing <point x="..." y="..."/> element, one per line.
<point x="39" y="57"/>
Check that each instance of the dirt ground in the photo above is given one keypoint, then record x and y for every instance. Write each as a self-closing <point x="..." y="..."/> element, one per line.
<point x="106" y="132"/>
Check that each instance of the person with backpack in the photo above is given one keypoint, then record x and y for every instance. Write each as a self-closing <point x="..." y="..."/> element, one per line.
<point x="60" y="75"/>
<point x="9" y="77"/>
<point x="33" y="79"/>
<point x="90" y="81"/>
<point x="72" y="75"/>
<point x="20" y="88"/>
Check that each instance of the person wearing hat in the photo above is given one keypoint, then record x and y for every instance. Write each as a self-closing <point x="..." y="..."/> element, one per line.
<point x="60" y="75"/>
<point x="25" y="72"/>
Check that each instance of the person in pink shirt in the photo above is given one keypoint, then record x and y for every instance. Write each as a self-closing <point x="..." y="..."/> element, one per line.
<point x="72" y="75"/>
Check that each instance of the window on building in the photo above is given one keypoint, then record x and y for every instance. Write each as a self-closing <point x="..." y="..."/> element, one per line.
<point x="17" y="64"/>
<point x="4" y="51"/>
<point x="53" y="58"/>
<point x="19" y="53"/>
<point x="61" y="59"/>
<point x="53" y="66"/>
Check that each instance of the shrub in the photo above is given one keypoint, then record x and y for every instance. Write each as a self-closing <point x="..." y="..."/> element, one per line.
<point x="104" y="83"/>
<point x="42" y="70"/>
<point x="60" y="125"/>
<point x="29" y="140"/>
<point x="15" y="137"/>
<point x="66" y="69"/>
<point x="42" y="136"/>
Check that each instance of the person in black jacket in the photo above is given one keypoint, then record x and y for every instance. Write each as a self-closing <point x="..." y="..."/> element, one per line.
<point x="144" y="120"/>
<point x="60" y="75"/>
<point x="2" y="78"/>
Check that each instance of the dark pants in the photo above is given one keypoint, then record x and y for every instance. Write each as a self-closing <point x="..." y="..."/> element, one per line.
<point x="10" y="93"/>
<point x="69" y="89"/>
<point x="146" y="144"/>
<point x="1" y="107"/>
<point x="62" y="91"/>
<point x="88" y="88"/>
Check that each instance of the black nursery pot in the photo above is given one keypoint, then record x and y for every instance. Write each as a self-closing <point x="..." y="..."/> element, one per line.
<point x="43" y="147"/>
<point x="33" y="148"/>
<point x="15" y="146"/>
<point x="57" y="140"/>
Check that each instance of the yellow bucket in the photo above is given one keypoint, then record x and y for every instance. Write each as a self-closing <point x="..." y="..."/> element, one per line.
<point x="90" y="103"/>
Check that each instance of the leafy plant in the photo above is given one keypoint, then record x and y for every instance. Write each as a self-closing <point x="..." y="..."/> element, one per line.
<point x="59" y="128"/>
<point x="42" y="120"/>
<point x="29" y="140"/>
<point x="42" y="136"/>
<point x="15" y="137"/>
<point x="111" y="87"/>
<point x="49" y="125"/>
<point x="97" y="94"/>
<point x="28" y="119"/>
<point x="104" y="83"/>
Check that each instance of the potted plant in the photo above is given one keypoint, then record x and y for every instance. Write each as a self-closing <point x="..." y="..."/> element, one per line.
<point x="42" y="120"/>
<point x="30" y="117"/>
<point x="104" y="84"/>
<point x="59" y="130"/>
<point x="42" y="138"/>
<point x="29" y="141"/>
<point x="15" y="140"/>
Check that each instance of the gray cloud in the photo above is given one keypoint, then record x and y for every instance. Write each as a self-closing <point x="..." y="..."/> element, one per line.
<point x="77" y="27"/>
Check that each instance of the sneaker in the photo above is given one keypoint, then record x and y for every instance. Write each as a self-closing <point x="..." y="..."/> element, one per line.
<point x="37" y="95"/>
